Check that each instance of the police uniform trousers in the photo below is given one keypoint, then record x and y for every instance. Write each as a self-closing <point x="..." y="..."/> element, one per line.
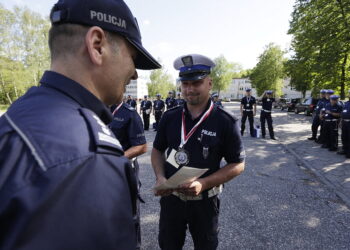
<point x="316" y="122"/>
<point x="146" y="118"/>
<point x="345" y="137"/>
<point x="157" y="115"/>
<point x="330" y="134"/>
<point x="250" y="116"/>
<point x="201" y="217"/>
<point x="321" y="139"/>
<point x="266" y="116"/>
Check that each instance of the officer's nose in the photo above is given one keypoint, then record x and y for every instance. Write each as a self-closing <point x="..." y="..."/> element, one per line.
<point x="135" y="75"/>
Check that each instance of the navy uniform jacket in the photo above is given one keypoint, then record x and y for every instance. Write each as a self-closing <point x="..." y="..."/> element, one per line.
<point x="146" y="105"/>
<point x="267" y="103"/>
<point x="248" y="105"/>
<point x="180" y="102"/>
<point x="337" y="108"/>
<point x="170" y="102"/>
<point x="158" y="105"/>
<point x="346" y="111"/>
<point x="63" y="181"/>
<point x="127" y="127"/>
<point x="320" y="105"/>
<point x="219" y="133"/>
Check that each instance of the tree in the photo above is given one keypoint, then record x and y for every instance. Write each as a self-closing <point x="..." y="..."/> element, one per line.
<point x="160" y="83"/>
<point x="223" y="73"/>
<point x="269" y="72"/>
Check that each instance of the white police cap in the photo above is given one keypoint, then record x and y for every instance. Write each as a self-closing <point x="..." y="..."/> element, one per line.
<point x="193" y="67"/>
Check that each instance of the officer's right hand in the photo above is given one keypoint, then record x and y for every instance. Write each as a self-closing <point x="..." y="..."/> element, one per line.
<point x="163" y="192"/>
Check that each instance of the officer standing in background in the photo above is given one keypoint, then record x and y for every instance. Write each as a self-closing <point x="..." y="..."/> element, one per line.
<point x="248" y="109"/>
<point x="316" y="120"/>
<point x="265" y="114"/>
<point x="158" y="109"/>
<point x="131" y="102"/>
<point x="320" y="139"/>
<point x="145" y="110"/>
<point x="128" y="129"/>
<point x="170" y="101"/>
<point x="216" y="100"/>
<point x="67" y="185"/>
<point x="332" y="113"/>
<point x="197" y="135"/>
<point x="179" y="100"/>
<point x="345" y="131"/>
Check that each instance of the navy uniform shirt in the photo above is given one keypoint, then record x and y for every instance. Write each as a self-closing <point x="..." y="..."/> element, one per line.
<point x="337" y="108"/>
<point x="219" y="133"/>
<point x="320" y="105"/>
<point x="63" y="181"/>
<point x="170" y="102"/>
<point x="346" y="111"/>
<point x="127" y="127"/>
<point x="146" y="104"/>
<point x="180" y="102"/>
<point x="131" y="102"/>
<point x="267" y="103"/>
<point x="248" y="103"/>
<point x="158" y="105"/>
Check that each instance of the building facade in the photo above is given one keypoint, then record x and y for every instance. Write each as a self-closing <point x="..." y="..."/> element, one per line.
<point x="137" y="88"/>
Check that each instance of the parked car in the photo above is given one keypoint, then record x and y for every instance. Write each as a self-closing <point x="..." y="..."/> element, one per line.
<point x="290" y="104"/>
<point x="280" y="103"/>
<point x="306" y="105"/>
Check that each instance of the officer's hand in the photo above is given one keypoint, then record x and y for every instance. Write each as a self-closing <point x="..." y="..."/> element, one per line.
<point x="164" y="192"/>
<point x="192" y="188"/>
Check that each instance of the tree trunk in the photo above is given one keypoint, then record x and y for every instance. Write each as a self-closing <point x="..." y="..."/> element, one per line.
<point x="3" y="87"/>
<point x="343" y="76"/>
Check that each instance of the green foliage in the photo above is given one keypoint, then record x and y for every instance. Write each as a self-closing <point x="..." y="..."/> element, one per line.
<point x="223" y="73"/>
<point x="24" y="53"/>
<point x="160" y="83"/>
<point x="269" y="72"/>
<point x="321" y="45"/>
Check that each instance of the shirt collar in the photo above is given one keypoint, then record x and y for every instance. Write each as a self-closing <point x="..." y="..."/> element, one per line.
<point x="78" y="93"/>
<point x="188" y="115"/>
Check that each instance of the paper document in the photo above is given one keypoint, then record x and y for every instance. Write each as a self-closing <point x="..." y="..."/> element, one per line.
<point x="184" y="175"/>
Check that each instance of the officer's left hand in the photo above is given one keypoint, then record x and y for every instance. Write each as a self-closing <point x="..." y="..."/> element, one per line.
<point x="192" y="188"/>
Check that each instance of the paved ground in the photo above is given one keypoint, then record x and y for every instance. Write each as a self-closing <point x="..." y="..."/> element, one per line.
<point x="278" y="202"/>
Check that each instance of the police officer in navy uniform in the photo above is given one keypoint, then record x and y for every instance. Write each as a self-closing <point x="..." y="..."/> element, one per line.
<point x="128" y="129"/>
<point x="316" y="120"/>
<point x="248" y="109"/>
<point x="170" y="101"/>
<point x="131" y="102"/>
<point x="197" y="135"/>
<point x="345" y="130"/>
<point x="145" y="110"/>
<point x="320" y="139"/>
<point x="158" y="109"/>
<point x="332" y="113"/>
<point x="215" y="98"/>
<point x="65" y="183"/>
<point x="265" y="114"/>
<point x="179" y="100"/>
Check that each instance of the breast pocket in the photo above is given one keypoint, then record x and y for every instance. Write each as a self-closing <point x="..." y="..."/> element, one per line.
<point x="210" y="146"/>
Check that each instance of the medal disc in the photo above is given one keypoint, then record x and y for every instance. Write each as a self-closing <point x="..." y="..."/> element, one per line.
<point x="181" y="157"/>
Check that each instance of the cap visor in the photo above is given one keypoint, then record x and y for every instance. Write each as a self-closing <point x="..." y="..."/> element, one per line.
<point x="144" y="60"/>
<point x="192" y="77"/>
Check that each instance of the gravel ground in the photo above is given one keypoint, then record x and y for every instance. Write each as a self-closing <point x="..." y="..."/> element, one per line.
<point x="276" y="203"/>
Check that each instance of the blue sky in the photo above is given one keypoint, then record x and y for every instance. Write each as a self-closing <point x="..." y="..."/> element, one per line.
<point x="237" y="29"/>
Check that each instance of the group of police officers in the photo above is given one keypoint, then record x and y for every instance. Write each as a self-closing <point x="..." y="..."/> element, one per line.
<point x="68" y="163"/>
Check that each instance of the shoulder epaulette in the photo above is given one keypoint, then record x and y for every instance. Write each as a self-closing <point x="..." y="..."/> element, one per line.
<point x="128" y="107"/>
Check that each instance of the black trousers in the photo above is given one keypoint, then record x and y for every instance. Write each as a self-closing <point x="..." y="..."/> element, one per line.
<point x="345" y="137"/>
<point x="330" y="134"/>
<point x="146" y="118"/>
<point x="201" y="217"/>
<point x="250" y="116"/>
<point x="316" y="122"/>
<point x="266" y="116"/>
<point x="321" y="137"/>
<point x="157" y="116"/>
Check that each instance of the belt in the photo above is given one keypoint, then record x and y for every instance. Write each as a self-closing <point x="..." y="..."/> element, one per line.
<point x="211" y="192"/>
<point x="331" y="120"/>
<point x="346" y="120"/>
<point x="269" y="111"/>
<point x="247" y="110"/>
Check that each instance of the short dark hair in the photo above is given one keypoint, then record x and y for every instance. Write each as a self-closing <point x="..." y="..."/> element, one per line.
<point x="66" y="39"/>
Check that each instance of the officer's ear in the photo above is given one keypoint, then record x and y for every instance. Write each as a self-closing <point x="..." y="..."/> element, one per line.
<point x="96" y="42"/>
<point x="210" y="83"/>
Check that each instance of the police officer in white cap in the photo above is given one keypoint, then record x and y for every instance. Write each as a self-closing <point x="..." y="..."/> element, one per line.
<point x="197" y="135"/>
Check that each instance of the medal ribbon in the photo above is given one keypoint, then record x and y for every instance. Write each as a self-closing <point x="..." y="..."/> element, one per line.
<point x="117" y="108"/>
<point x="184" y="136"/>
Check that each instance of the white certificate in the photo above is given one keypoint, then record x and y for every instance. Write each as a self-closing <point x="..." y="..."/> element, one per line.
<point x="184" y="175"/>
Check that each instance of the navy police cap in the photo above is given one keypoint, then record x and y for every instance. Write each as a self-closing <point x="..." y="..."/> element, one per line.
<point x="111" y="15"/>
<point x="323" y="91"/>
<point x="193" y="67"/>
<point x="334" y="97"/>
<point x="269" y="92"/>
<point x="329" y="91"/>
<point x="248" y="90"/>
<point x="215" y="95"/>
